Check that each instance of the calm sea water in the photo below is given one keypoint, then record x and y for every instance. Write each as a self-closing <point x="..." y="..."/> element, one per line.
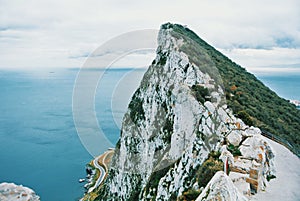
<point x="40" y="147"/>
<point x="285" y="85"/>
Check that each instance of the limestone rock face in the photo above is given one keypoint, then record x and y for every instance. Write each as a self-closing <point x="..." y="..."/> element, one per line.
<point x="221" y="188"/>
<point x="234" y="138"/>
<point x="11" y="191"/>
<point x="176" y="117"/>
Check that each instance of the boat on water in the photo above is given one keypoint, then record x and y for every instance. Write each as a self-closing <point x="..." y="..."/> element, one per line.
<point x="81" y="180"/>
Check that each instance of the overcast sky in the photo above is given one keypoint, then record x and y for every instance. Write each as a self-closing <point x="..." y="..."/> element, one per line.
<point x="56" y="33"/>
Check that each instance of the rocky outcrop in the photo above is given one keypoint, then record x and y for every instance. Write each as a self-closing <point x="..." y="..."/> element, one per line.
<point x="11" y="191"/>
<point x="221" y="188"/>
<point x="250" y="169"/>
<point x="175" y="119"/>
<point x="257" y="162"/>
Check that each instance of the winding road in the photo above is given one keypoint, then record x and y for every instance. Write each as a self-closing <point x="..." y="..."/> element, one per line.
<point x="100" y="164"/>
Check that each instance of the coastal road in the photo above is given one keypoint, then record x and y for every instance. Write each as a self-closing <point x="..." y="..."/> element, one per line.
<point x="101" y="176"/>
<point x="100" y="164"/>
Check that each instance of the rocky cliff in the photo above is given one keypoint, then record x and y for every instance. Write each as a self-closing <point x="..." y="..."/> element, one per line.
<point x="176" y="119"/>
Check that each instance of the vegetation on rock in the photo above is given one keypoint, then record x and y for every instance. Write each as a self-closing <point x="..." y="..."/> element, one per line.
<point x="209" y="168"/>
<point x="234" y="150"/>
<point x="248" y="97"/>
<point x="201" y="93"/>
<point x="189" y="195"/>
<point x="136" y="108"/>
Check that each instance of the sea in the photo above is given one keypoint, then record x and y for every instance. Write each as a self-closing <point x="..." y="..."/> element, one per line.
<point x="39" y="144"/>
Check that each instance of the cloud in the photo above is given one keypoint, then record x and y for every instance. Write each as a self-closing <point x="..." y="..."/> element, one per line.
<point x="251" y="58"/>
<point x="287" y="42"/>
<point x="16" y="27"/>
<point x="54" y="33"/>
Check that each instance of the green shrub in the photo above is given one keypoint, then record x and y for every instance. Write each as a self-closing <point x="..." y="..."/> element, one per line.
<point x="209" y="168"/>
<point x="163" y="60"/>
<point x="189" y="195"/>
<point x="201" y="93"/>
<point x="243" y="115"/>
<point x="234" y="150"/>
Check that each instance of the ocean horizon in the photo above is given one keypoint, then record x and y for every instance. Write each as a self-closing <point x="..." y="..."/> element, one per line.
<point x="40" y="147"/>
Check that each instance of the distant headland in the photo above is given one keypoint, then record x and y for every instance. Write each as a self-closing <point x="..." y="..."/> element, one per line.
<point x="295" y="102"/>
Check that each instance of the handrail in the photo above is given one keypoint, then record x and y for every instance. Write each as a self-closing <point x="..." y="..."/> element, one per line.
<point x="281" y="141"/>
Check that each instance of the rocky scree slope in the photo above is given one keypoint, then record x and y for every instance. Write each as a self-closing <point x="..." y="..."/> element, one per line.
<point x="176" y="118"/>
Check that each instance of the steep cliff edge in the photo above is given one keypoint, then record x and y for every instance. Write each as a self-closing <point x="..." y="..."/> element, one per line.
<point x="176" y="118"/>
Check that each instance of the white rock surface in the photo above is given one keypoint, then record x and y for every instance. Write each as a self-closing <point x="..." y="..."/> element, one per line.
<point x="234" y="138"/>
<point x="221" y="188"/>
<point x="167" y="100"/>
<point x="13" y="192"/>
<point x="172" y="129"/>
<point x="256" y="147"/>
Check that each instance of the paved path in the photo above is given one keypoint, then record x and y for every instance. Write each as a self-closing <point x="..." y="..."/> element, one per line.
<point x="286" y="185"/>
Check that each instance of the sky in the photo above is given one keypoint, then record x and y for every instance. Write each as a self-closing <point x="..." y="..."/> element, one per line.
<point x="258" y="34"/>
